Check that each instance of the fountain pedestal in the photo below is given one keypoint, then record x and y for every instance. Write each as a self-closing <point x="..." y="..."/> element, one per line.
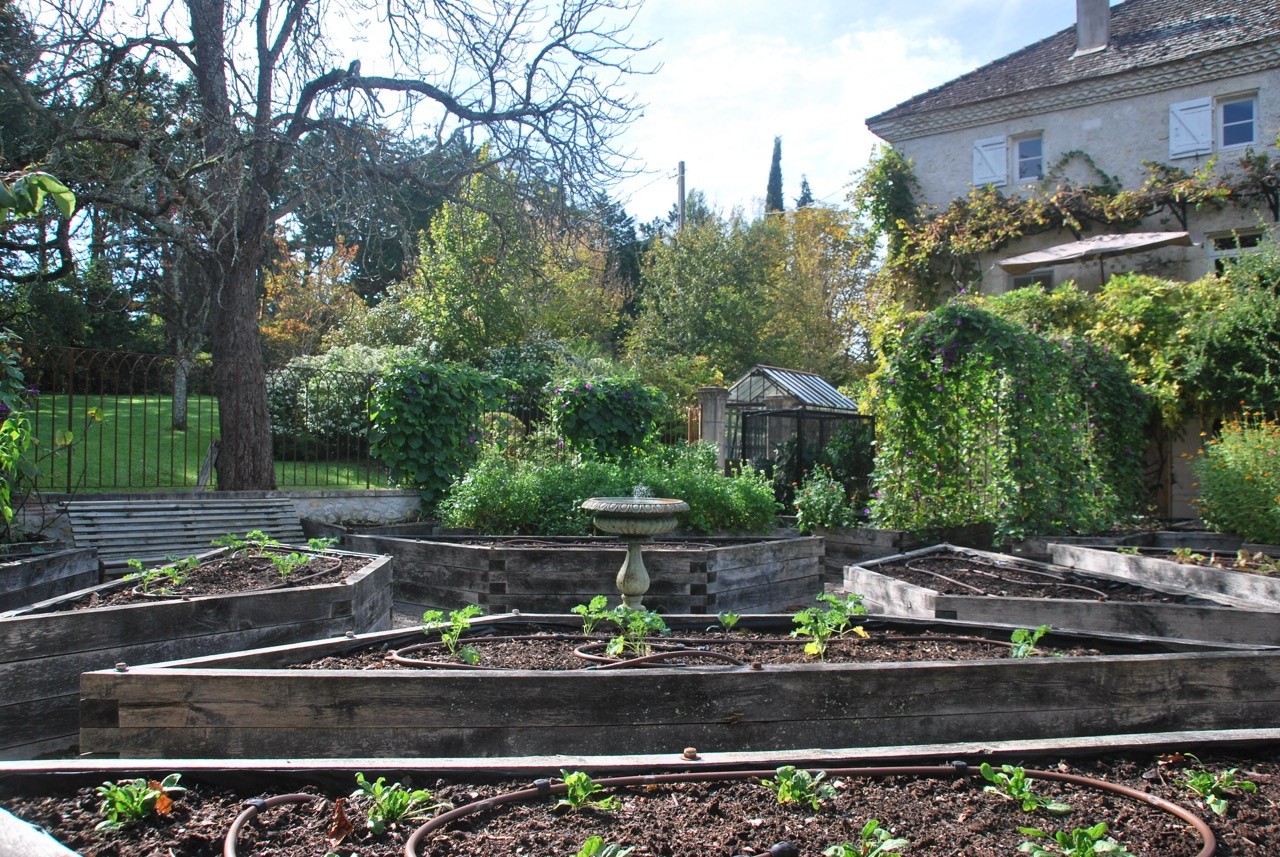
<point x="635" y="520"/>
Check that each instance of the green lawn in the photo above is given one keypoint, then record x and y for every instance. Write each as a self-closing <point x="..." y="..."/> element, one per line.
<point x="134" y="448"/>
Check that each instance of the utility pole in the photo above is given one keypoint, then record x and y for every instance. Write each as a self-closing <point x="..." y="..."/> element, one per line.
<point x="680" y="198"/>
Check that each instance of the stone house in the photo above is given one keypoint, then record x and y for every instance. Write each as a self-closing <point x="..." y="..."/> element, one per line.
<point x="1178" y="82"/>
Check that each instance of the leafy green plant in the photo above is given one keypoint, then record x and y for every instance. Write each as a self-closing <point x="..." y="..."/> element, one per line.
<point x="287" y="563"/>
<point x="451" y="634"/>
<point x="1011" y="782"/>
<point x="593" y="613"/>
<point x="173" y="574"/>
<point x="728" y="621"/>
<point x="581" y="792"/>
<point x="391" y="803"/>
<point x="595" y="846"/>
<point x="1024" y="641"/>
<point x="1081" y="842"/>
<point x="1258" y="563"/>
<point x="1129" y="551"/>
<point x="634" y="629"/>
<point x="126" y="801"/>
<point x="322" y="544"/>
<point x="820" y="625"/>
<point x="1238" y="472"/>
<point x="874" y="841"/>
<point x="1214" y="788"/>
<point x="796" y="785"/>
<point x="609" y="416"/>
<point x="1188" y="555"/>
<point x="821" y="501"/>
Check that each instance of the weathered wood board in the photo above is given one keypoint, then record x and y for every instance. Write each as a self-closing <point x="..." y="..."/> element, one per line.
<point x="707" y="577"/>
<point x="43" y="652"/>
<point x="249" y="705"/>
<point x="30" y="578"/>
<point x="1260" y="591"/>
<point x="1215" y="618"/>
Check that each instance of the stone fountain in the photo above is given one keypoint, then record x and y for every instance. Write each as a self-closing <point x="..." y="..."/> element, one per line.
<point x="635" y="520"/>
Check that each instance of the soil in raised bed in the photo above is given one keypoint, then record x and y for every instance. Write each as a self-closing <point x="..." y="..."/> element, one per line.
<point x="1242" y="560"/>
<point x="532" y="648"/>
<point x="951" y="816"/>
<point x="962" y="575"/>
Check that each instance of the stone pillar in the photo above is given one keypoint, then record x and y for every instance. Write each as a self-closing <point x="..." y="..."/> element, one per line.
<point x="713" y="402"/>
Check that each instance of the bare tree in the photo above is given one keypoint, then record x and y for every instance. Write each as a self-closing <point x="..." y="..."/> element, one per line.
<point x="541" y="83"/>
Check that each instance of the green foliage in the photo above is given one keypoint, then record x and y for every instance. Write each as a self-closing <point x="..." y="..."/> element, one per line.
<point x="426" y="423"/>
<point x="728" y="621"/>
<point x="538" y="487"/>
<point x="391" y="803"/>
<point x="607" y="416"/>
<point x="820" y="624"/>
<point x="126" y="801"/>
<point x="1239" y="479"/>
<point x="635" y="627"/>
<point x="22" y="195"/>
<point x="885" y="194"/>
<point x="820" y="501"/>
<point x="1011" y="782"/>
<point x="773" y="191"/>
<point x="1214" y="788"/>
<point x="874" y="841"/>
<point x="451" y="634"/>
<point x="595" y="846"/>
<point x="1081" y="842"/>
<point x="581" y="793"/>
<point x="15" y="427"/>
<point x="1233" y="352"/>
<point x="796" y="785"/>
<point x="1024" y="641"/>
<point x="981" y="420"/>
<point x="169" y="576"/>
<point x="593" y="613"/>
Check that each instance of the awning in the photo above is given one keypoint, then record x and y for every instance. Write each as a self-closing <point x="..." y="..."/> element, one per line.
<point x="1097" y="247"/>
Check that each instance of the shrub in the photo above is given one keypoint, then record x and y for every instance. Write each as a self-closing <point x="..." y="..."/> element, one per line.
<point x="538" y="488"/>
<point x="606" y="415"/>
<point x="1239" y="479"/>
<point x="426" y="423"/>
<point x="15" y="428"/>
<point x="821" y="501"/>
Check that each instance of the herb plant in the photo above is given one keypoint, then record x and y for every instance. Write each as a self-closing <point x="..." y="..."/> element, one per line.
<point x="173" y="574"/>
<point x="728" y="621"/>
<point x="126" y="801"/>
<point x="451" y="635"/>
<point x="1024" y="641"/>
<point x="874" y="841"/>
<point x="581" y="793"/>
<point x="1214" y="787"/>
<point x="795" y="785"/>
<point x="593" y="613"/>
<point x="836" y="620"/>
<point x="634" y="629"/>
<point x="322" y="544"/>
<point x="1081" y="842"/>
<point x="1011" y="782"/>
<point x="391" y="803"/>
<point x="595" y="846"/>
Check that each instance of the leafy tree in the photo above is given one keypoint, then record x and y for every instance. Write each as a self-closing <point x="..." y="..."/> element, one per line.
<point x="773" y="194"/>
<point x="538" y="84"/>
<point x="302" y="303"/>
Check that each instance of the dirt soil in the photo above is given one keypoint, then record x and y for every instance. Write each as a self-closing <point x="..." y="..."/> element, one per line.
<point x="960" y="575"/>
<point x="1251" y="563"/>
<point x="950" y="816"/>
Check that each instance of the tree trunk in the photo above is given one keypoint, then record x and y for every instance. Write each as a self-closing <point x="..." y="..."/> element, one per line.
<point x="181" y="368"/>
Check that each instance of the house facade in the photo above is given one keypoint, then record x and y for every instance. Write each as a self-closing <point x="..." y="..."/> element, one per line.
<point x="1185" y="83"/>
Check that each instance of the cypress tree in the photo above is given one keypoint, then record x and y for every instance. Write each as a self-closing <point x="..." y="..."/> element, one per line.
<point x="773" y="196"/>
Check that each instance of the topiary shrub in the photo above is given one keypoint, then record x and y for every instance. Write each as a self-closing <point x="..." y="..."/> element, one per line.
<point x="608" y="416"/>
<point x="1238" y="473"/>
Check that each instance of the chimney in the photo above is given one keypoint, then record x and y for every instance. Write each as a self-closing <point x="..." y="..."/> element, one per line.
<point x="1093" y="26"/>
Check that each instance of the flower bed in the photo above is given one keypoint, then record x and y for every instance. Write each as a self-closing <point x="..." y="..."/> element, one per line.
<point x="47" y="645"/>
<point x="553" y="574"/>
<point x="255" y="704"/>
<point x="1027" y="593"/>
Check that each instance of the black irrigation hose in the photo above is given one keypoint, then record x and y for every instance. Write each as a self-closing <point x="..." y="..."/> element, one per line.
<point x="545" y="788"/>
<point x="605" y="663"/>
<point x="1056" y="578"/>
<point x="397" y="655"/>
<point x="250" y="812"/>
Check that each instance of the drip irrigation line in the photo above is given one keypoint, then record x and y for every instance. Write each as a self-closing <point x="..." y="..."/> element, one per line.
<point x="250" y="812"/>
<point x="1058" y="579"/>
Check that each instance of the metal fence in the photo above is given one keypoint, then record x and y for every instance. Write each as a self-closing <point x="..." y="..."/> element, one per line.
<point x="113" y="421"/>
<point x="788" y="442"/>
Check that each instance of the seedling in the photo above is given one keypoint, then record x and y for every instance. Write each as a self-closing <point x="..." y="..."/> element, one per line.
<point x="1188" y="555"/>
<point x="593" y="613"/>
<point x="286" y="563"/>
<point x="1129" y="551"/>
<point x="1214" y="787"/>
<point x="634" y="629"/>
<point x="391" y="803"/>
<point x="450" y="636"/>
<point x="322" y="544"/>
<point x="595" y="846"/>
<point x="175" y="573"/>
<point x="254" y="540"/>
<point x="820" y="625"/>
<point x="874" y="841"/>
<point x="794" y="785"/>
<point x="1024" y="641"/>
<point x="1259" y="562"/>
<point x="1081" y="842"/>
<point x="580" y="793"/>
<point x="728" y="621"/>
<point x="1011" y="782"/>
<point x="126" y="801"/>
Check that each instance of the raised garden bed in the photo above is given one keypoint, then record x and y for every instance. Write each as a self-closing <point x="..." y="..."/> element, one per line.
<point x="1247" y="589"/>
<point x="852" y="545"/>
<point x="976" y="586"/>
<point x="674" y="806"/>
<point x="255" y="704"/>
<point x="541" y="575"/>
<point x="47" y="645"/>
<point x="36" y="572"/>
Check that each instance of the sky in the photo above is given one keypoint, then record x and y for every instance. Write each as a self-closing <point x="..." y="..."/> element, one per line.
<point x="736" y="73"/>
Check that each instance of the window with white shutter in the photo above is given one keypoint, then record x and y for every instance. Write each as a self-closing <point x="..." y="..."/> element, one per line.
<point x="1191" y="128"/>
<point x="990" y="162"/>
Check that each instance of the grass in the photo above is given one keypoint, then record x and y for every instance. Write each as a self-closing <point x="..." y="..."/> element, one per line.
<point x="133" y="447"/>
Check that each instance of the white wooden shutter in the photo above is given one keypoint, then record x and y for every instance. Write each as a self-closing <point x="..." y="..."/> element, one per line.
<point x="1191" y="128"/>
<point x="990" y="161"/>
